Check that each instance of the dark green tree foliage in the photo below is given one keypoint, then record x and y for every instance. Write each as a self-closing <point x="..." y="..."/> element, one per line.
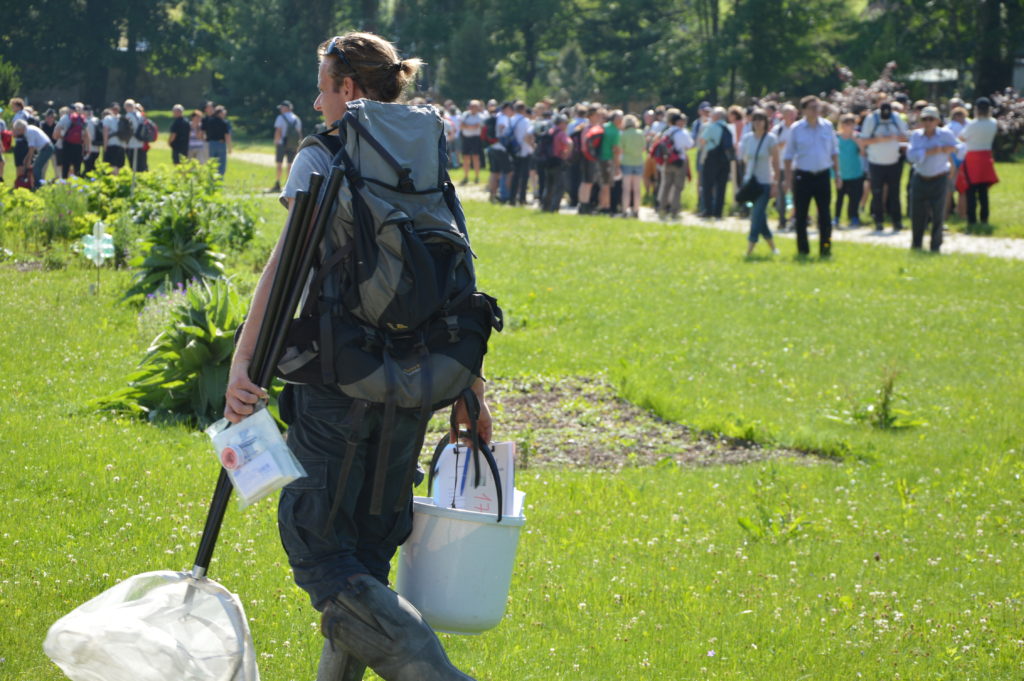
<point x="67" y="42"/>
<point x="635" y="51"/>
<point x="10" y="80"/>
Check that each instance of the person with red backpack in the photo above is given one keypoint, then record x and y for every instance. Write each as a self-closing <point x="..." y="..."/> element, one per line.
<point x="670" y="154"/>
<point x="590" y="146"/>
<point x="73" y="130"/>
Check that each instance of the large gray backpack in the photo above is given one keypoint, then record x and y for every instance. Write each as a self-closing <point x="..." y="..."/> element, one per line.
<point x="392" y="315"/>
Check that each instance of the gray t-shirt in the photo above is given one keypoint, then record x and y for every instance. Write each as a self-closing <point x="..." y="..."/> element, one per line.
<point x="312" y="159"/>
<point x="762" y="169"/>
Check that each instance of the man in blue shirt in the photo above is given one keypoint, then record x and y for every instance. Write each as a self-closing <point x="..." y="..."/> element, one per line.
<point x="930" y="147"/>
<point x="812" y="150"/>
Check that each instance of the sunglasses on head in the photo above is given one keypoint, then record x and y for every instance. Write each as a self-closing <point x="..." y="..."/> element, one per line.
<point x="335" y="48"/>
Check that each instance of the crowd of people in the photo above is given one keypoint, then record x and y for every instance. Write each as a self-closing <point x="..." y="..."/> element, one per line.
<point x="71" y="139"/>
<point x="600" y="160"/>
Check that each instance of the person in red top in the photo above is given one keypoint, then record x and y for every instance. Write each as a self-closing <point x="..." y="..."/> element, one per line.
<point x="595" y="128"/>
<point x="978" y="171"/>
<point x="556" y="167"/>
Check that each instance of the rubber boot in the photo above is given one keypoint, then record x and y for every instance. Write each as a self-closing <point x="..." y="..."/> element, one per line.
<point x="376" y="625"/>
<point x="337" y="665"/>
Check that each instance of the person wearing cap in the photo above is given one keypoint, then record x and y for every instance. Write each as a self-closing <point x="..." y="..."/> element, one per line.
<point x="287" y="135"/>
<point x="179" y="135"/>
<point x="812" y="151"/>
<point x="881" y="134"/>
<point x="929" y="151"/>
<point x="978" y="171"/>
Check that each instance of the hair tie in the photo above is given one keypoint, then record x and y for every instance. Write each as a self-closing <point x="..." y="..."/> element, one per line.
<point x="397" y="66"/>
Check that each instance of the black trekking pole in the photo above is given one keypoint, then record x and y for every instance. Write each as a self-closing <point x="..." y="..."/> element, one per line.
<point x="257" y="374"/>
<point x="305" y="263"/>
<point x="293" y="240"/>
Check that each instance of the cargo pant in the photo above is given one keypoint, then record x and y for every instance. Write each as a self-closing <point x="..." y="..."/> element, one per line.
<point x="321" y="426"/>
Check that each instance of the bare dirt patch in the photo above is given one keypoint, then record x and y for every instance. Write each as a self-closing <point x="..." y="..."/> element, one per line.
<point x="580" y="422"/>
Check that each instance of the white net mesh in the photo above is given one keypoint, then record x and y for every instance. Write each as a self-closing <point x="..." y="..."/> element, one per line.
<point x="157" y="626"/>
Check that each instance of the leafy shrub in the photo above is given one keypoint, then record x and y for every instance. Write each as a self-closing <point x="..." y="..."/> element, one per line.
<point x="20" y="212"/>
<point x="176" y="251"/>
<point x="184" y="374"/>
<point x="63" y="204"/>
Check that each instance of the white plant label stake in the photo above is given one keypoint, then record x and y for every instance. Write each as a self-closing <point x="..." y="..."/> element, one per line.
<point x="97" y="247"/>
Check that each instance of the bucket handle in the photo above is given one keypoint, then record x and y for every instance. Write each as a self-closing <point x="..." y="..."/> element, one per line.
<point x="488" y="456"/>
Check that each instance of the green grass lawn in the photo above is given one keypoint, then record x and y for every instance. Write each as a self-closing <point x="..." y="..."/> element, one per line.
<point x="901" y="558"/>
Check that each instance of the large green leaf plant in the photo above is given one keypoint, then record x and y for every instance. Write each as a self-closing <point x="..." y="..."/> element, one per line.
<point x="184" y="374"/>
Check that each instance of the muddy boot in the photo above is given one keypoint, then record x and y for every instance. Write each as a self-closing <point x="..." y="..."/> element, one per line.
<point x="337" y="665"/>
<point x="382" y="629"/>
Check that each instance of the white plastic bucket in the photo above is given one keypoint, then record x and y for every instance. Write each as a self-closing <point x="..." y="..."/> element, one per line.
<point x="456" y="566"/>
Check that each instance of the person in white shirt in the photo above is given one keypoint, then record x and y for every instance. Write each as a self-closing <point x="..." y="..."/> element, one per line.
<point x="759" y="150"/>
<point x="673" y="173"/>
<point x="40" y="148"/>
<point x="113" y="146"/>
<point x="136" y="158"/>
<point x="521" y="128"/>
<point x="95" y="140"/>
<point x="472" y="147"/>
<point x="929" y="151"/>
<point x="812" y="151"/>
<point x="287" y="135"/>
<point x="978" y="171"/>
<point x="781" y="131"/>
<point x="882" y="133"/>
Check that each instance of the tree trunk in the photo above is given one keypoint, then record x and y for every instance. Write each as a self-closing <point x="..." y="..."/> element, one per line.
<point x="369" y="15"/>
<point x="530" y="55"/>
<point x="990" y="69"/>
<point x="96" y="68"/>
<point x="131" y="71"/>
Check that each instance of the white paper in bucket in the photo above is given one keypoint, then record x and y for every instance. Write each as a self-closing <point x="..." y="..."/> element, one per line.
<point x="255" y="456"/>
<point x="456" y="567"/>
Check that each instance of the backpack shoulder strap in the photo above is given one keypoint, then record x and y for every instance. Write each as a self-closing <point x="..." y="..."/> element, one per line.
<point x="329" y="143"/>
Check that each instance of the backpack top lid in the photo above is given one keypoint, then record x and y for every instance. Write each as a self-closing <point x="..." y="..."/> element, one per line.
<point x="413" y="135"/>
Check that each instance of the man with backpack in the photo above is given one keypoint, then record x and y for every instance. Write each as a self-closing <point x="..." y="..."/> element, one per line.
<point x="719" y="152"/>
<point x="670" y="154"/>
<point x="73" y="130"/>
<point x="882" y="133"/>
<point x="517" y="140"/>
<point x="554" y="149"/>
<point x="591" y="136"/>
<point x="117" y="130"/>
<point x="357" y="420"/>
<point x="574" y="173"/>
<point x="498" y="159"/>
<point x="287" y="135"/>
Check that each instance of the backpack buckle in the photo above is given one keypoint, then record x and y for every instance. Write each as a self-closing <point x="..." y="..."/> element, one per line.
<point x="452" y="322"/>
<point x="405" y="184"/>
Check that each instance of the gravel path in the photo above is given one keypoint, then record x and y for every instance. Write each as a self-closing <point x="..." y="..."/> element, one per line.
<point x="953" y="242"/>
